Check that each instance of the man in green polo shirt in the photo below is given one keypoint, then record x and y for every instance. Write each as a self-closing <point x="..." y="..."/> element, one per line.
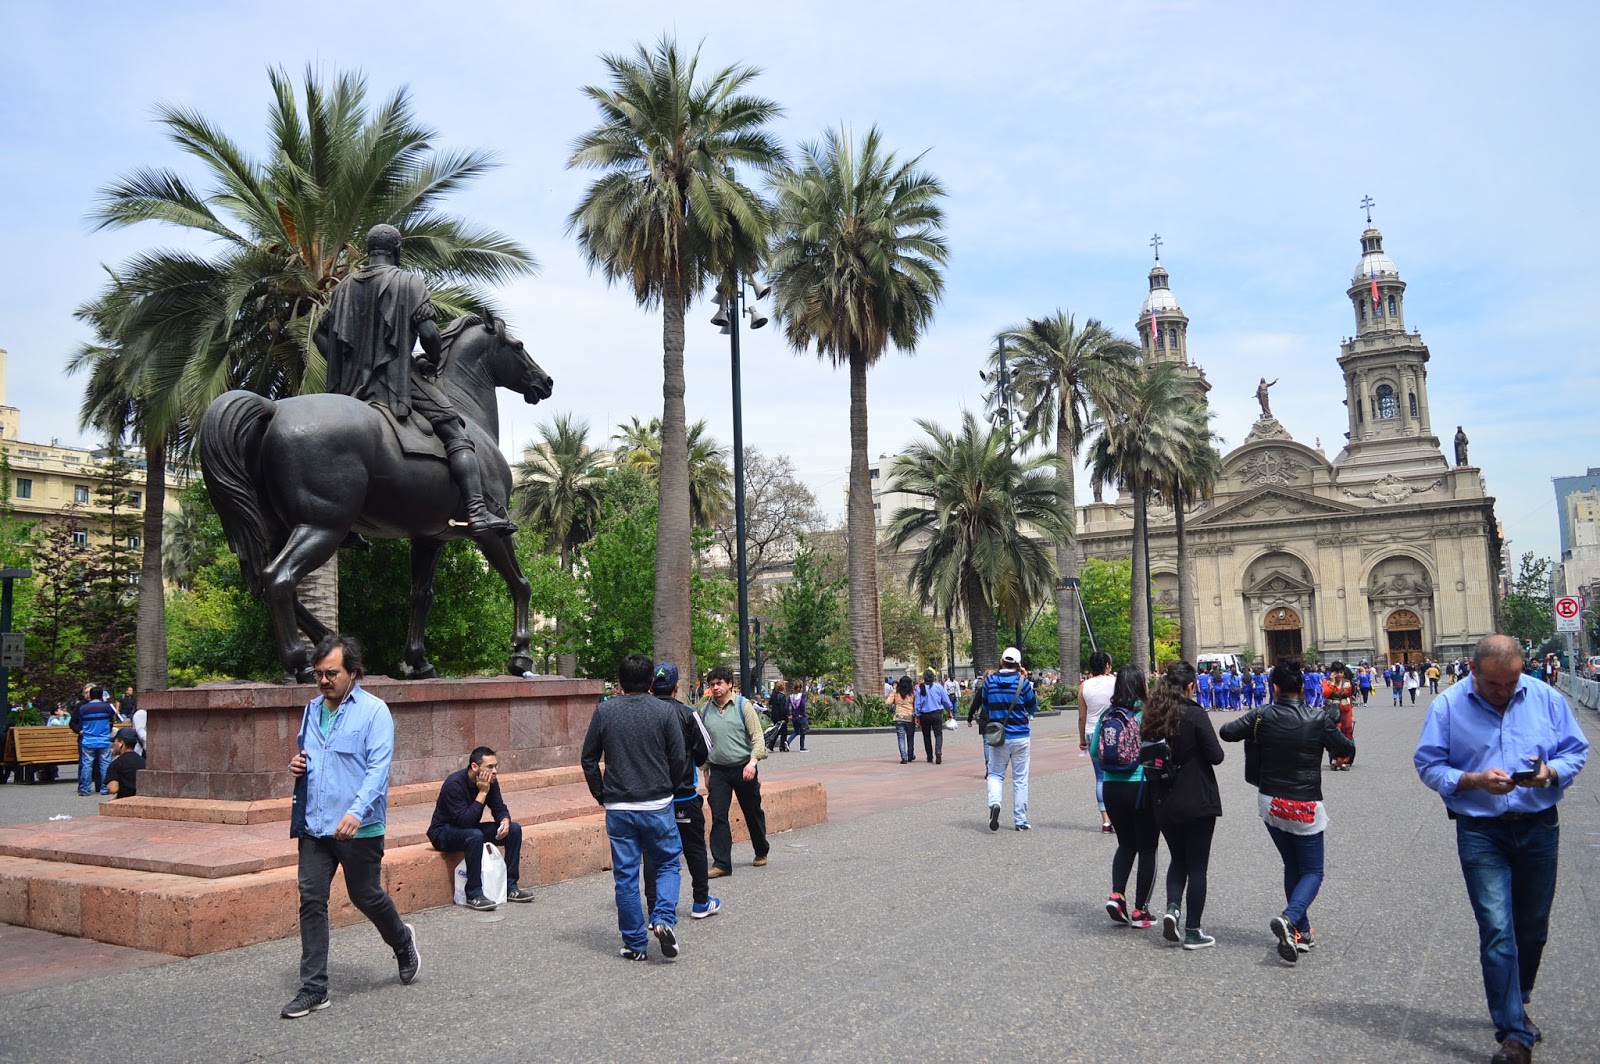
<point x="736" y="747"/>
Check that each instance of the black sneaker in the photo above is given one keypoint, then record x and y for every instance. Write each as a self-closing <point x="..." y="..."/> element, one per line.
<point x="1024" y="826"/>
<point x="668" y="939"/>
<point x="1286" y="935"/>
<point x="1117" y="909"/>
<point x="994" y="818"/>
<point x="481" y="903"/>
<point x="1305" y="943"/>
<point x="519" y="894"/>
<point x="1169" y="926"/>
<point x="410" y="960"/>
<point x="305" y="1002"/>
<point x="637" y="955"/>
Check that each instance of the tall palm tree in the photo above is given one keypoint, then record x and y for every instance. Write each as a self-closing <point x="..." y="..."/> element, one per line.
<point x="558" y="492"/>
<point x="283" y="231"/>
<point x="1059" y="373"/>
<point x="857" y="265"/>
<point x="1140" y="442"/>
<point x="119" y="400"/>
<point x="191" y="538"/>
<point x="668" y="214"/>
<point x="710" y="479"/>
<point x="1192" y="477"/>
<point x="980" y="502"/>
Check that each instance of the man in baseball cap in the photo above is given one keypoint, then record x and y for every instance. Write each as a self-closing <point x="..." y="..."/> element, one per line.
<point x="122" y="778"/>
<point x="688" y="808"/>
<point x="1008" y="697"/>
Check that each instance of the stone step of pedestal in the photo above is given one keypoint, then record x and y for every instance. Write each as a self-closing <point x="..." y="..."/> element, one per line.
<point x="269" y="810"/>
<point x="192" y="914"/>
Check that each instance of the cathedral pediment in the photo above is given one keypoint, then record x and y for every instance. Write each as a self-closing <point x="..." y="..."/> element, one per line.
<point x="1277" y="584"/>
<point x="1269" y="503"/>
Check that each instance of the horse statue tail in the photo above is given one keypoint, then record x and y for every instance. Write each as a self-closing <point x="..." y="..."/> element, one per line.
<point x="230" y="433"/>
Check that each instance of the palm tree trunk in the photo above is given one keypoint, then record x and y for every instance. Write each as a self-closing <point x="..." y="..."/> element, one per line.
<point x="566" y="661"/>
<point x="670" y="619"/>
<point x="1139" y="589"/>
<point x="980" y="618"/>
<point x="1188" y="628"/>
<point x="151" y="640"/>
<point x="1068" y="639"/>
<point x="866" y="632"/>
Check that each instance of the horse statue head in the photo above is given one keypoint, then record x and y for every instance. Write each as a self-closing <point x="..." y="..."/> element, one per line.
<point x="482" y="355"/>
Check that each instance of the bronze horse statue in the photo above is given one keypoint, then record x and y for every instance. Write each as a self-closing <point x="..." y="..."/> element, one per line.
<point x="292" y="479"/>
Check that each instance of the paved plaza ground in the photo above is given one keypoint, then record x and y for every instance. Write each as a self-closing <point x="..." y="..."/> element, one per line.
<point x="901" y="930"/>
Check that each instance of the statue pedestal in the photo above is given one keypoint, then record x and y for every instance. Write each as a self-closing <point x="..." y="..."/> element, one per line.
<point x="233" y="742"/>
<point x="1267" y="428"/>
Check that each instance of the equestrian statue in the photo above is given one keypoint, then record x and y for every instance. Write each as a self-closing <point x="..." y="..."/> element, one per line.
<point x="399" y="447"/>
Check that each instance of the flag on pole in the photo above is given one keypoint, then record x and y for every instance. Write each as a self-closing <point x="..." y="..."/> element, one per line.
<point x="1155" y="332"/>
<point x="1373" y="277"/>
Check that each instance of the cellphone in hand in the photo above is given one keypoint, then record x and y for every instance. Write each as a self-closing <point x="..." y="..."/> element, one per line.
<point x="1527" y="774"/>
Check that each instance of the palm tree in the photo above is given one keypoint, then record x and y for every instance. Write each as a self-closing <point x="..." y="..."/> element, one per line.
<point x="1141" y="440"/>
<point x="118" y="400"/>
<point x="1059" y="372"/>
<point x="1192" y="477"/>
<point x="981" y="502"/>
<point x="710" y="479"/>
<point x="668" y="215"/>
<point x="856" y="266"/>
<point x="283" y="231"/>
<point x="558" y="492"/>
<point x="191" y="540"/>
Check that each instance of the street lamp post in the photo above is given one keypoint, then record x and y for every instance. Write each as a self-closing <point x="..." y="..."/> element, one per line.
<point x="730" y="307"/>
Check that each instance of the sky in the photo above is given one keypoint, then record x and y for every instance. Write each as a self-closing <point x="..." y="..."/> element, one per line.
<point x="1066" y="134"/>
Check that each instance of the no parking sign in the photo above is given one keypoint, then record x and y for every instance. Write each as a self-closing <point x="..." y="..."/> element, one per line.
<point x="1567" y="611"/>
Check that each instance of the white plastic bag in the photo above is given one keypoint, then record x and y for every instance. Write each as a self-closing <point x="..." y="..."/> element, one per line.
<point x="950" y="725"/>
<point x="494" y="876"/>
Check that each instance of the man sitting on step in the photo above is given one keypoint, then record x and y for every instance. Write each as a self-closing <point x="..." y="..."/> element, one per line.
<point x="458" y="824"/>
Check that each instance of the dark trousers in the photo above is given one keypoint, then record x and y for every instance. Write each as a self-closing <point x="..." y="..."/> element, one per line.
<point x="780" y="738"/>
<point x="1133" y="818"/>
<point x="691" y="818"/>
<point x="1189" y="855"/>
<point x="362" y="860"/>
<point x="932" y="725"/>
<point x="449" y="838"/>
<point x="800" y="726"/>
<point x="723" y="783"/>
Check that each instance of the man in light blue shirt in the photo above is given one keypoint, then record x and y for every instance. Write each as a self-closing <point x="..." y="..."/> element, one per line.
<point x="346" y="742"/>
<point x="1502" y="748"/>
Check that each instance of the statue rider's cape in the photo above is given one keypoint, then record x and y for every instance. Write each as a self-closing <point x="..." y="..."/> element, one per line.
<point x="372" y="319"/>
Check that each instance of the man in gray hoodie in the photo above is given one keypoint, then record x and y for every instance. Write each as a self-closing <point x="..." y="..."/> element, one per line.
<point x="639" y="738"/>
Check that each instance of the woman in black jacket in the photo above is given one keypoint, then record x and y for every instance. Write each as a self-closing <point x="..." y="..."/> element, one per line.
<point x="1187" y="808"/>
<point x="1290" y="738"/>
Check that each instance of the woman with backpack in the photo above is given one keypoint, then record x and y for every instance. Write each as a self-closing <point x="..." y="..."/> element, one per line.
<point x="799" y="719"/>
<point x="1179" y="752"/>
<point x="1094" y="695"/>
<point x="1289" y="738"/>
<point x="1116" y="747"/>
<point x="904" y="707"/>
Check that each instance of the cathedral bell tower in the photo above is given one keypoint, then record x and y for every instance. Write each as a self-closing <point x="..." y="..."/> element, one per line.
<point x="1164" y="328"/>
<point x="1385" y="374"/>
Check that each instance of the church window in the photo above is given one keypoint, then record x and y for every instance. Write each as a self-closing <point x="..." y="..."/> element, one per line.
<point x="1377" y="308"/>
<point x="1361" y="414"/>
<point x="1172" y="339"/>
<point x="1386" y="403"/>
<point x="1412" y="397"/>
<point x="1363" y="311"/>
<point x="1156" y="340"/>
<point x="1392" y="313"/>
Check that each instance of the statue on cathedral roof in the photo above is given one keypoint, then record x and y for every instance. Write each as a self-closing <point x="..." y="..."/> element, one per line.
<point x="1262" y="398"/>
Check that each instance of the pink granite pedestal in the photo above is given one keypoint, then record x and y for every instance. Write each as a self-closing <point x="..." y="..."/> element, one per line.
<point x="233" y="742"/>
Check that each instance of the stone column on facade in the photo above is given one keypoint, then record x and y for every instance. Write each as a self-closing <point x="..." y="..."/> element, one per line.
<point x="1365" y="423"/>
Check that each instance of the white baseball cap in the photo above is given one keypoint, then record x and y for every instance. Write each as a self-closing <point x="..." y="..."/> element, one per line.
<point x="1011" y="655"/>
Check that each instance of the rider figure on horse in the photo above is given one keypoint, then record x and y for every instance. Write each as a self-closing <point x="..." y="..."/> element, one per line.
<point x="374" y="318"/>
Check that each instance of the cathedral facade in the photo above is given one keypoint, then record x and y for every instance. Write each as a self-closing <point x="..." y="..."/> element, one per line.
<point x="1389" y="552"/>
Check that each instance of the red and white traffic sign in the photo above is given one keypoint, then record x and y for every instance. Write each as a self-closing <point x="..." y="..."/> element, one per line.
<point x="1567" y="610"/>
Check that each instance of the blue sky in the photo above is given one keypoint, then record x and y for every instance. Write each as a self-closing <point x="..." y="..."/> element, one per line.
<point x="1245" y="133"/>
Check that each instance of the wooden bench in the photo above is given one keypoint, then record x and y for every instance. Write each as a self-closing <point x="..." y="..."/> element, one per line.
<point x="28" y="745"/>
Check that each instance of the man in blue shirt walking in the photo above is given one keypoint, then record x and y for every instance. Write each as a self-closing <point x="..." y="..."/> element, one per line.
<point x="1502" y="749"/>
<point x="345" y="745"/>
<point x="1008" y="698"/>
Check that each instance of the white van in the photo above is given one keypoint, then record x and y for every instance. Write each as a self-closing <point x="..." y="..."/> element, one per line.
<point x="1222" y="661"/>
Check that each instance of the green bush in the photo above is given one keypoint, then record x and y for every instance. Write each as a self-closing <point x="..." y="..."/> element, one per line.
<point x="832" y="711"/>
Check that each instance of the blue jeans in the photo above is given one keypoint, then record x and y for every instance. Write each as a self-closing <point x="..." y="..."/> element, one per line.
<point x="1302" y="873"/>
<point x="1099" y="782"/>
<point x="632" y="832"/>
<point x="905" y="733"/>
<point x="92" y="765"/>
<point x="1510" y="869"/>
<point x="1013" y="752"/>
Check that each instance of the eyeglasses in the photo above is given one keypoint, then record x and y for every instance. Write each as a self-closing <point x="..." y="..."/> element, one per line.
<point x="327" y="674"/>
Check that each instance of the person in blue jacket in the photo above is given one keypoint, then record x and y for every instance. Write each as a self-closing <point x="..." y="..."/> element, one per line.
<point x="1008" y="697"/>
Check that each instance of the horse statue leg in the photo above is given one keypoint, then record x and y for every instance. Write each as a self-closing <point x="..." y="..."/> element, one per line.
<point x="502" y="554"/>
<point x="307" y="548"/>
<point x="424" y="561"/>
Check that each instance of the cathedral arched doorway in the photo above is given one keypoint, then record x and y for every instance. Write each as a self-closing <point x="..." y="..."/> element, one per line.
<point x="1283" y="629"/>
<point x="1404" y="631"/>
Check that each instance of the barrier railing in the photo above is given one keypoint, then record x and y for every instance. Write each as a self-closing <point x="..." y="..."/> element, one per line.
<point x="1581" y="692"/>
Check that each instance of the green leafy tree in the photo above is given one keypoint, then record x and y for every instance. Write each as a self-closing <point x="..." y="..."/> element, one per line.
<point x="1062" y="373"/>
<point x="63" y="565"/>
<point x="1105" y="586"/>
<point x="668" y="215"/>
<point x="192" y="537"/>
<point x="910" y="633"/>
<point x="857" y="265"/>
<point x="1142" y="436"/>
<point x="1192" y="477"/>
<point x="808" y="634"/>
<point x="1041" y="644"/>
<point x="977" y="502"/>
<point x="1528" y="611"/>
<point x="109" y="602"/>
<point x="217" y="630"/>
